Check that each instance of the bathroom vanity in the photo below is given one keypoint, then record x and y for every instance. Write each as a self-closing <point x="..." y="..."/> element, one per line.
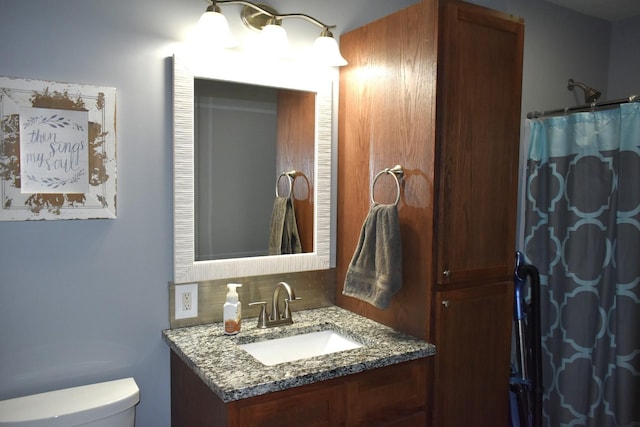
<point x="214" y="382"/>
<point x="457" y="209"/>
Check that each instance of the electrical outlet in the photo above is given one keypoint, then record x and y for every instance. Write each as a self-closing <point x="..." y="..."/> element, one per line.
<point x="186" y="301"/>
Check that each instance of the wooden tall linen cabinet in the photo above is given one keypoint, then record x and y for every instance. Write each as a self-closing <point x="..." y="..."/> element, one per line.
<point x="436" y="88"/>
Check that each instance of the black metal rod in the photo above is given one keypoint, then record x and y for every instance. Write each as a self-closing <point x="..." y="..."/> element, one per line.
<point x="585" y="107"/>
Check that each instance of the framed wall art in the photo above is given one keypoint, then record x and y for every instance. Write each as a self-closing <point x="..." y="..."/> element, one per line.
<point x="57" y="150"/>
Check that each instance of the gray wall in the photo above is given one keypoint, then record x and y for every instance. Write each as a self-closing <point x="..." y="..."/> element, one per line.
<point x="624" y="63"/>
<point x="83" y="301"/>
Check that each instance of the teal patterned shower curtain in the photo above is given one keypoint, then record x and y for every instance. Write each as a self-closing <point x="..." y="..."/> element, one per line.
<point x="582" y="232"/>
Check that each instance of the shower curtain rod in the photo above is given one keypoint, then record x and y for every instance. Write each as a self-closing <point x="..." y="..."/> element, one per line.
<point x="585" y="107"/>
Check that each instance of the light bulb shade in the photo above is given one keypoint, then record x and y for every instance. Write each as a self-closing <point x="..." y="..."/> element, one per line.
<point x="213" y="31"/>
<point x="274" y="41"/>
<point x="325" y="50"/>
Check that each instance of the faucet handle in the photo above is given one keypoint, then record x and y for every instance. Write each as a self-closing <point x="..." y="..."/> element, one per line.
<point x="262" y="317"/>
<point x="286" y="314"/>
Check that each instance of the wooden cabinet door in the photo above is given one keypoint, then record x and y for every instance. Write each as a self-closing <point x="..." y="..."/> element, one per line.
<point x="473" y="337"/>
<point x="391" y="396"/>
<point x="317" y="405"/>
<point x="479" y="92"/>
<point x="418" y="419"/>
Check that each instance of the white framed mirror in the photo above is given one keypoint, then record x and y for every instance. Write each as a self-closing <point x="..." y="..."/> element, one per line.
<point x="234" y="67"/>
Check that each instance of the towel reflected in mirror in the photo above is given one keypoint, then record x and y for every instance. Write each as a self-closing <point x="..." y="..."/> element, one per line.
<point x="283" y="236"/>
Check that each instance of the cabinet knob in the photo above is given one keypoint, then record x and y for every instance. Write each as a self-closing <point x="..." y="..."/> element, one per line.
<point x="446" y="273"/>
<point x="446" y="303"/>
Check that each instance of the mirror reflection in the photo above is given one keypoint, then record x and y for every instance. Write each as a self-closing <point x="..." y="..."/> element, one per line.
<point x="246" y="138"/>
<point x="303" y="139"/>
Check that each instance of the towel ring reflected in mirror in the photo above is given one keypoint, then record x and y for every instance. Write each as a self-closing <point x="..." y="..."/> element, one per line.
<point x="291" y="175"/>
<point x="397" y="172"/>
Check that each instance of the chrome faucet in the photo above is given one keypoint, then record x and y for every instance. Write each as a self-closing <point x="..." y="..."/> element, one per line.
<point x="275" y="309"/>
<point x="276" y="318"/>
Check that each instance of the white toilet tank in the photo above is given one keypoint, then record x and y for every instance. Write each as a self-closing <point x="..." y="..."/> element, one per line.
<point x="107" y="404"/>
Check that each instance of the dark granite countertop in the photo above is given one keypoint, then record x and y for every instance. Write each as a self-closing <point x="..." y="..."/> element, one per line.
<point x="234" y="374"/>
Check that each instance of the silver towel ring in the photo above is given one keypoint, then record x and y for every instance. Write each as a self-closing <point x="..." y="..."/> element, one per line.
<point x="290" y="175"/>
<point x="397" y="172"/>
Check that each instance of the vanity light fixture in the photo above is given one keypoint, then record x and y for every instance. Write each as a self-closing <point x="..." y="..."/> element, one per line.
<point x="214" y="29"/>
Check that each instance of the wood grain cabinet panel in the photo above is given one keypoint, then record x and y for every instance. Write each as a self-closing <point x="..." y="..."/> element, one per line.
<point x="436" y="87"/>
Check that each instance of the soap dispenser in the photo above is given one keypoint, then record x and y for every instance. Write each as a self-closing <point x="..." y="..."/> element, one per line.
<point x="231" y="311"/>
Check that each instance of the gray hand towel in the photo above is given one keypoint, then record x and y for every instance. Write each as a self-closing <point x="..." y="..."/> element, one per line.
<point x="283" y="236"/>
<point x="375" y="272"/>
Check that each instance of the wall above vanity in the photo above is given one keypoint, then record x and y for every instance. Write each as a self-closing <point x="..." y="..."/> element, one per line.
<point x="314" y="288"/>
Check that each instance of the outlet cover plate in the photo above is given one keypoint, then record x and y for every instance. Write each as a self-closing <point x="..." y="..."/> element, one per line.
<point x="189" y="293"/>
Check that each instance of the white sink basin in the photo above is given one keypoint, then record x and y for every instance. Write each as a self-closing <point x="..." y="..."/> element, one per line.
<point x="303" y="346"/>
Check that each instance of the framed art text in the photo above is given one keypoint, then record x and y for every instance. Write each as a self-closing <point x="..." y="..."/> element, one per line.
<point x="57" y="150"/>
